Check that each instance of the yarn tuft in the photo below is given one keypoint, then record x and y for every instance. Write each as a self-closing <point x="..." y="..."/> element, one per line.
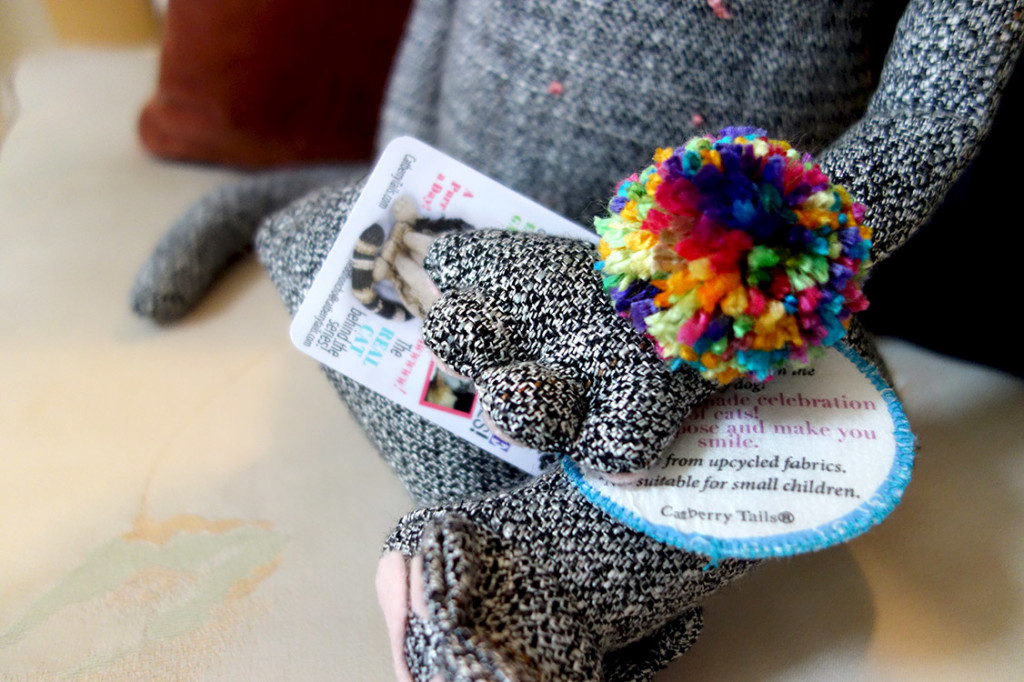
<point x="735" y="254"/>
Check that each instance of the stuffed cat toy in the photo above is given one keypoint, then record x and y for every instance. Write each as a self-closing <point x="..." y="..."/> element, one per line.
<point x="504" y="576"/>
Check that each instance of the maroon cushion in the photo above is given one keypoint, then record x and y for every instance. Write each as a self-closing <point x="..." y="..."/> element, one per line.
<point x="264" y="82"/>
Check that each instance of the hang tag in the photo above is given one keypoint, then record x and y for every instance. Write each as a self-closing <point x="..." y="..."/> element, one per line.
<point x="387" y="354"/>
<point x="797" y="464"/>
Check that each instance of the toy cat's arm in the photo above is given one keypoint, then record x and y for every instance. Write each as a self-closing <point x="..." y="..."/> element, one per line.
<point x="556" y="368"/>
<point x="944" y="74"/>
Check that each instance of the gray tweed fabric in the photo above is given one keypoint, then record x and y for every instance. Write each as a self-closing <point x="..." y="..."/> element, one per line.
<point x="526" y="318"/>
<point x="559" y="100"/>
<point x="474" y="79"/>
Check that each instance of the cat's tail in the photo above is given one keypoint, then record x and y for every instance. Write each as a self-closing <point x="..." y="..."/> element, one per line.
<point x="364" y="260"/>
<point x="219" y="227"/>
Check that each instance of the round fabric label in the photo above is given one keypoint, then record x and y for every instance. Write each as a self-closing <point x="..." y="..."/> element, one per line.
<point x="810" y="459"/>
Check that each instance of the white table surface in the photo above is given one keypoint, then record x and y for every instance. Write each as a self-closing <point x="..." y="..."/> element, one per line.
<point x="193" y="502"/>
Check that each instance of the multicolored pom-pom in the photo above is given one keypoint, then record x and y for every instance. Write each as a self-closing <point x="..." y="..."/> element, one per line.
<point x="735" y="254"/>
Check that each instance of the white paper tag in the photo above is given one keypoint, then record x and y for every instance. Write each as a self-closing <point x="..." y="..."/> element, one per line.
<point x="794" y="465"/>
<point x="388" y="356"/>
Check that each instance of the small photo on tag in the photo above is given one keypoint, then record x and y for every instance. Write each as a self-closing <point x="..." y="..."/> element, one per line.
<point x="448" y="393"/>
